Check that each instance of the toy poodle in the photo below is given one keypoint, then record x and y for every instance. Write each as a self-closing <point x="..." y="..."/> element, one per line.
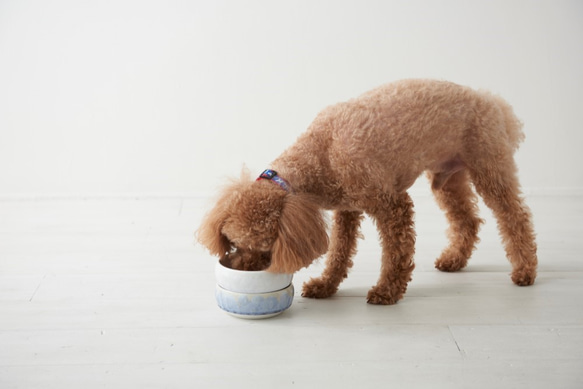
<point x="361" y="156"/>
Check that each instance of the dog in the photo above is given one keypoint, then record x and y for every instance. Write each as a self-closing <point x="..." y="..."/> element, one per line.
<point x="361" y="156"/>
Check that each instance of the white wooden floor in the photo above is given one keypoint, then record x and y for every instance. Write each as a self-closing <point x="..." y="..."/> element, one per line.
<point x="113" y="293"/>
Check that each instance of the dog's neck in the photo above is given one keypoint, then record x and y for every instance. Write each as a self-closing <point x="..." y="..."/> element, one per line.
<point x="307" y="181"/>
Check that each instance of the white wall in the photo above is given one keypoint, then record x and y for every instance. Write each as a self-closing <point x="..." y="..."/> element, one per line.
<point x="166" y="97"/>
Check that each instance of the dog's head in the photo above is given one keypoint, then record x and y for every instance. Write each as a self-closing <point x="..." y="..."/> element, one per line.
<point x="267" y="224"/>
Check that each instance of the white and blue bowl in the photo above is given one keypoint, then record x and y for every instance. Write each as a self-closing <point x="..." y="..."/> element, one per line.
<point x="252" y="294"/>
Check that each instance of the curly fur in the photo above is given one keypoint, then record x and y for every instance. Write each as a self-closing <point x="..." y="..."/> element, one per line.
<point x="361" y="156"/>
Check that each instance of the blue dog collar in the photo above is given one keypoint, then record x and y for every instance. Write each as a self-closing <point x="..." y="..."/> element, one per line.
<point x="271" y="175"/>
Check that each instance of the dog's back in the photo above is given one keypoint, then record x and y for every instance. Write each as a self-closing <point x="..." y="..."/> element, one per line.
<point x="395" y="132"/>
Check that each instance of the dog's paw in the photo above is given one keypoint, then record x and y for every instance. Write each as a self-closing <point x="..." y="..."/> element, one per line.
<point x="382" y="296"/>
<point x="318" y="288"/>
<point x="523" y="277"/>
<point x="451" y="262"/>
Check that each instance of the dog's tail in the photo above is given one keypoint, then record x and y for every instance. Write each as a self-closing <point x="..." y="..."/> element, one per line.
<point x="512" y="124"/>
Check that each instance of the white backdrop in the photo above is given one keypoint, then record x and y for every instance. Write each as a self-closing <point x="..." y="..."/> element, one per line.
<point x="167" y="97"/>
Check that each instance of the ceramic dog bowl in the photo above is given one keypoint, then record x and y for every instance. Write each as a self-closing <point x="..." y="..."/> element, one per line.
<point x="254" y="305"/>
<point x="252" y="294"/>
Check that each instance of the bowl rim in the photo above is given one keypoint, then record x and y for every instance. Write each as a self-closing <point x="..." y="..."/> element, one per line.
<point x="225" y="258"/>
<point x="254" y="293"/>
<point x="243" y="281"/>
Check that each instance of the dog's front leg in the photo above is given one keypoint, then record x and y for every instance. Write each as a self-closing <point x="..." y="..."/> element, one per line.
<point x="394" y="221"/>
<point x="339" y="259"/>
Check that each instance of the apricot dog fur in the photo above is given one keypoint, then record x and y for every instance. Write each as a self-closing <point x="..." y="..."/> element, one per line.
<point x="361" y="156"/>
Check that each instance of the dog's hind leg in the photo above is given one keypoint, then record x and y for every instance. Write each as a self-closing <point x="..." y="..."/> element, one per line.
<point x="498" y="185"/>
<point x="456" y="198"/>
<point x="394" y="221"/>
<point x="345" y="232"/>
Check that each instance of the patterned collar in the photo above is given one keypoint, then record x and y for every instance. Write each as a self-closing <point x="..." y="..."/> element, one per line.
<point x="271" y="175"/>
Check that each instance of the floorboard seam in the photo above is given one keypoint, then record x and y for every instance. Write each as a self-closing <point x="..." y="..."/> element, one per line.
<point x="37" y="288"/>
<point x="462" y="352"/>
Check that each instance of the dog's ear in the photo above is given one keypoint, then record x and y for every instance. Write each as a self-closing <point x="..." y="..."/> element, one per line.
<point x="209" y="233"/>
<point x="301" y="235"/>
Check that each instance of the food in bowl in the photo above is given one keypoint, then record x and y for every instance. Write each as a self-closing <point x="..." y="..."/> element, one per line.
<point x="250" y="260"/>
